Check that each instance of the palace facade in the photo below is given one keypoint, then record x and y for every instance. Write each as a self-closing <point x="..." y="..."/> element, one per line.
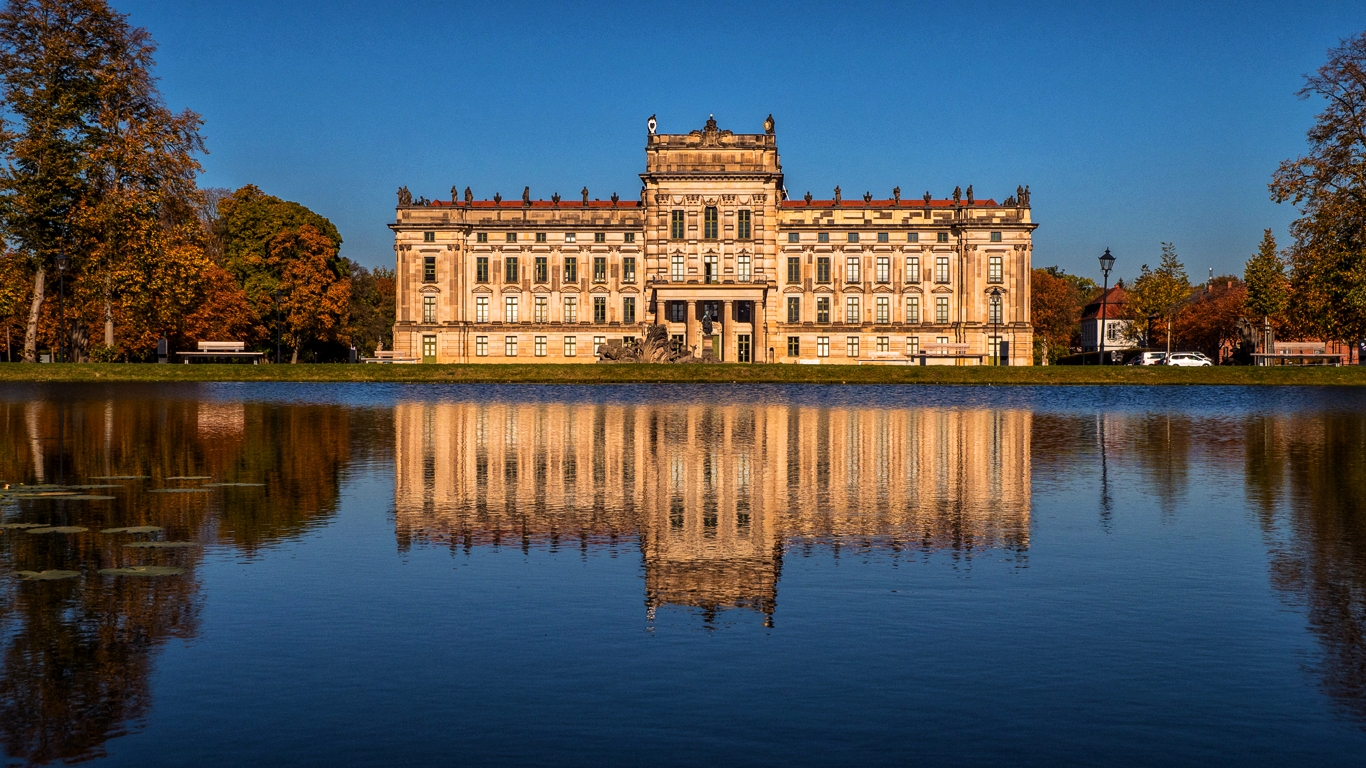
<point x="713" y="236"/>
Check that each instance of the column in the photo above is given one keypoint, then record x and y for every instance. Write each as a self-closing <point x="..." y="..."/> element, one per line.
<point x="728" y="331"/>
<point x="760" y="333"/>
<point x="691" y="337"/>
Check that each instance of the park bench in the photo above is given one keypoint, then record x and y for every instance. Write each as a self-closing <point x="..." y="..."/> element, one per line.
<point x="388" y="356"/>
<point x="221" y="350"/>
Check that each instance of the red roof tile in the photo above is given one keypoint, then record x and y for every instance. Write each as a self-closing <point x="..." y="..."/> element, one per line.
<point x="517" y="203"/>
<point x="906" y="202"/>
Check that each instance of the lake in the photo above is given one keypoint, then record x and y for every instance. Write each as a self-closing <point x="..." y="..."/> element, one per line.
<point x="332" y="574"/>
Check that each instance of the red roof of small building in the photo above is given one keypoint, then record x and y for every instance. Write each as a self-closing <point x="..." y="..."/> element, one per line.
<point x="1115" y="299"/>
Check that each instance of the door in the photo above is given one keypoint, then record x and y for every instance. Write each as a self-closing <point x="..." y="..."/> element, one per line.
<point x="429" y="349"/>
<point x="742" y="354"/>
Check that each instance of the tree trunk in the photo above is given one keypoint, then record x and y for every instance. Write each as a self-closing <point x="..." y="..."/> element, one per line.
<point x="108" y="313"/>
<point x="31" y="331"/>
<point x="294" y="358"/>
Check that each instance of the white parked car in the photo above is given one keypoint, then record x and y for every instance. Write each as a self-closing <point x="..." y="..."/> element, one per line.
<point x="1188" y="359"/>
<point x="1148" y="358"/>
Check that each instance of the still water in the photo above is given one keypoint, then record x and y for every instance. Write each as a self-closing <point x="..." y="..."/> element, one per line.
<point x="405" y="575"/>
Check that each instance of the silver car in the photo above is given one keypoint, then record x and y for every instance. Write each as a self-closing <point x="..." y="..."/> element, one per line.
<point x="1189" y="360"/>
<point x="1148" y="358"/>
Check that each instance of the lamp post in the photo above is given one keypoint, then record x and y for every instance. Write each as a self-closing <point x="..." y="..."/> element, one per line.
<point x="277" y="295"/>
<point x="62" y="263"/>
<point x="996" y="324"/>
<point x="1107" y="262"/>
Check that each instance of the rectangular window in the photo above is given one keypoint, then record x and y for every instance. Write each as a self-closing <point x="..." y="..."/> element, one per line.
<point x="822" y="237"/>
<point x="598" y="341"/>
<point x="912" y="345"/>
<point x="571" y="269"/>
<point x="599" y="269"/>
<point x="793" y="237"/>
<point x="509" y="346"/>
<point x="941" y="269"/>
<point x="676" y="268"/>
<point x="942" y="237"/>
<point x="542" y="309"/>
<point x="913" y="237"/>
<point x="912" y="309"/>
<point x="570" y="237"/>
<point x="822" y="269"/>
<point x="540" y="237"/>
<point x="822" y="309"/>
<point x="851" y="269"/>
<point x="883" y="237"/>
<point x="542" y="269"/>
<point x="429" y="309"/>
<point x="742" y="268"/>
<point x="599" y="237"/>
<point x="884" y="309"/>
<point x="994" y="270"/>
<point x="628" y="269"/>
<point x="481" y="346"/>
<point x="851" y="346"/>
<point x="884" y="269"/>
<point x="678" y="311"/>
<point x="509" y="309"/>
<point x="599" y="309"/>
<point x="571" y="346"/>
<point x="429" y="269"/>
<point x="851" y="310"/>
<point x="942" y="340"/>
<point x="941" y="309"/>
<point x="912" y="269"/>
<point x="676" y="228"/>
<point x="571" y="309"/>
<point x="481" y="309"/>
<point x="710" y="223"/>
<point x="629" y="237"/>
<point x="794" y="346"/>
<point x="794" y="270"/>
<point x="794" y="309"/>
<point x="742" y="224"/>
<point x="628" y="309"/>
<point x="884" y="343"/>
<point x="429" y="237"/>
<point x="481" y="269"/>
<point x="512" y="237"/>
<point x="822" y="346"/>
<point x="853" y="237"/>
<point x="481" y="237"/>
<point x="995" y="237"/>
<point x="511" y="273"/>
<point x="540" y="346"/>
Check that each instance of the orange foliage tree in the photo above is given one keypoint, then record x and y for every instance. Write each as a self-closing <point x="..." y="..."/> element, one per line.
<point x="316" y="293"/>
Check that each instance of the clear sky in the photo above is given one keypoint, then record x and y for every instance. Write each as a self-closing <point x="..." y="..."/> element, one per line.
<point x="1132" y="124"/>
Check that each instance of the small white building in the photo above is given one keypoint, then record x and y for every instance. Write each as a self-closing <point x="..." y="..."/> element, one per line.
<point x="1115" y="323"/>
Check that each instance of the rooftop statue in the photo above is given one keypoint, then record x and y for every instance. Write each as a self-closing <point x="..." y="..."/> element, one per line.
<point x="970" y="200"/>
<point x="455" y="195"/>
<point x="404" y="196"/>
<point x="768" y="125"/>
<point x="526" y="195"/>
<point x="469" y="196"/>
<point x="837" y="194"/>
<point x="1024" y="198"/>
<point x="896" y="195"/>
<point x="585" y="195"/>
<point x="957" y="195"/>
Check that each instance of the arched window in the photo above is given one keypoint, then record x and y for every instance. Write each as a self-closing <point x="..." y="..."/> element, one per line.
<point x="709" y="223"/>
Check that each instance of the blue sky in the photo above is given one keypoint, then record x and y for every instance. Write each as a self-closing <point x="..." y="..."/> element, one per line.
<point x="1132" y="124"/>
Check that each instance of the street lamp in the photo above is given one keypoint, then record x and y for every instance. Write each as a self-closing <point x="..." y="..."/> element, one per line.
<point x="62" y="263"/>
<point x="996" y="323"/>
<point x="1107" y="262"/>
<point x="278" y="295"/>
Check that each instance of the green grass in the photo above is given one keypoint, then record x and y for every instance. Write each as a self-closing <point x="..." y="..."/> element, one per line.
<point x="625" y="373"/>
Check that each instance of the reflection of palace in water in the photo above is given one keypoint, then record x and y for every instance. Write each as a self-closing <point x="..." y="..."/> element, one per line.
<point x="713" y="494"/>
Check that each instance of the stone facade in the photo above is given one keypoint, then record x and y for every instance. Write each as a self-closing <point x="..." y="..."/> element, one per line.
<point x="714" y="236"/>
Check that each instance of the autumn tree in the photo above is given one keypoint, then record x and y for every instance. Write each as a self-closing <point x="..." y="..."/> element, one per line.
<point x="1209" y="322"/>
<point x="1056" y="302"/>
<point x="316" y="293"/>
<point x="1328" y="185"/>
<point x="1158" y="293"/>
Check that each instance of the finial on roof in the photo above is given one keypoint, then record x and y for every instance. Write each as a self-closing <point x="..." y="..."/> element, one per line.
<point x="808" y="197"/>
<point x="497" y="198"/>
<point x="615" y="198"/>
<point x="928" y="198"/>
<point x="650" y="125"/>
<point x="768" y="124"/>
<point x="867" y="198"/>
<point x="555" y="198"/>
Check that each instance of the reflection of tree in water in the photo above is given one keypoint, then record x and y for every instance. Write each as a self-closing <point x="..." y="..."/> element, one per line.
<point x="1317" y="465"/>
<point x="77" y="653"/>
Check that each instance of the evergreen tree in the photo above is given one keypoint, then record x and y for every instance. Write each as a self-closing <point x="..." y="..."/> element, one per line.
<point x="1159" y="292"/>
<point x="1267" y="288"/>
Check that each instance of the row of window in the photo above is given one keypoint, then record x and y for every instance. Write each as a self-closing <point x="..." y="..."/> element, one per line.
<point x="852" y="344"/>
<point x="540" y="309"/>
<point x="882" y="309"/>
<point x="539" y="345"/>
<point x="853" y="269"/>
<point x="540" y="237"/>
<point x="710" y="231"/>
<point x="512" y="269"/>
<point x="711" y="224"/>
<point x="882" y="237"/>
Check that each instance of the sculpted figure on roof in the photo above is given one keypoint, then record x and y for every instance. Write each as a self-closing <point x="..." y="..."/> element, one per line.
<point x="404" y="196"/>
<point x="585" y="195"/>
<point x="526" y="195"/>
<point x="469" y="196"/>
<point x="957" y="195"/>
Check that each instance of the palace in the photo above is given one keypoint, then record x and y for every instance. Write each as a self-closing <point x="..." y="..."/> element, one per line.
<point x="714" y="243"/>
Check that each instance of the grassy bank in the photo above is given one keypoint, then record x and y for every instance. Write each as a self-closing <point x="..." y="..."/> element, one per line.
<point x="637" y="373"/>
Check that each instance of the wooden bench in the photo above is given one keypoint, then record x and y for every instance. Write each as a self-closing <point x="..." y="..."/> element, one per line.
<point x="221" y="350"/>
<point x="389" y="357"/>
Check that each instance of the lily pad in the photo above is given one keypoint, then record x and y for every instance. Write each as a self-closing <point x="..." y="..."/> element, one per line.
<point x="190" y="477"/>
<point x="179" y="490"/>
<point x="59" y="529"/>
<point x="120" y="477"/>
<point x="161" y="544"/>
<point x="46" y="575"/>
<point x="142" y="570"/>
<point x="135" y="529"/>
<point x="7" y="526"/>
<point x="234" y="485"/>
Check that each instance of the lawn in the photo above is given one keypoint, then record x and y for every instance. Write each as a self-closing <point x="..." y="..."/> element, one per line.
<point x="622" y="373"/>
